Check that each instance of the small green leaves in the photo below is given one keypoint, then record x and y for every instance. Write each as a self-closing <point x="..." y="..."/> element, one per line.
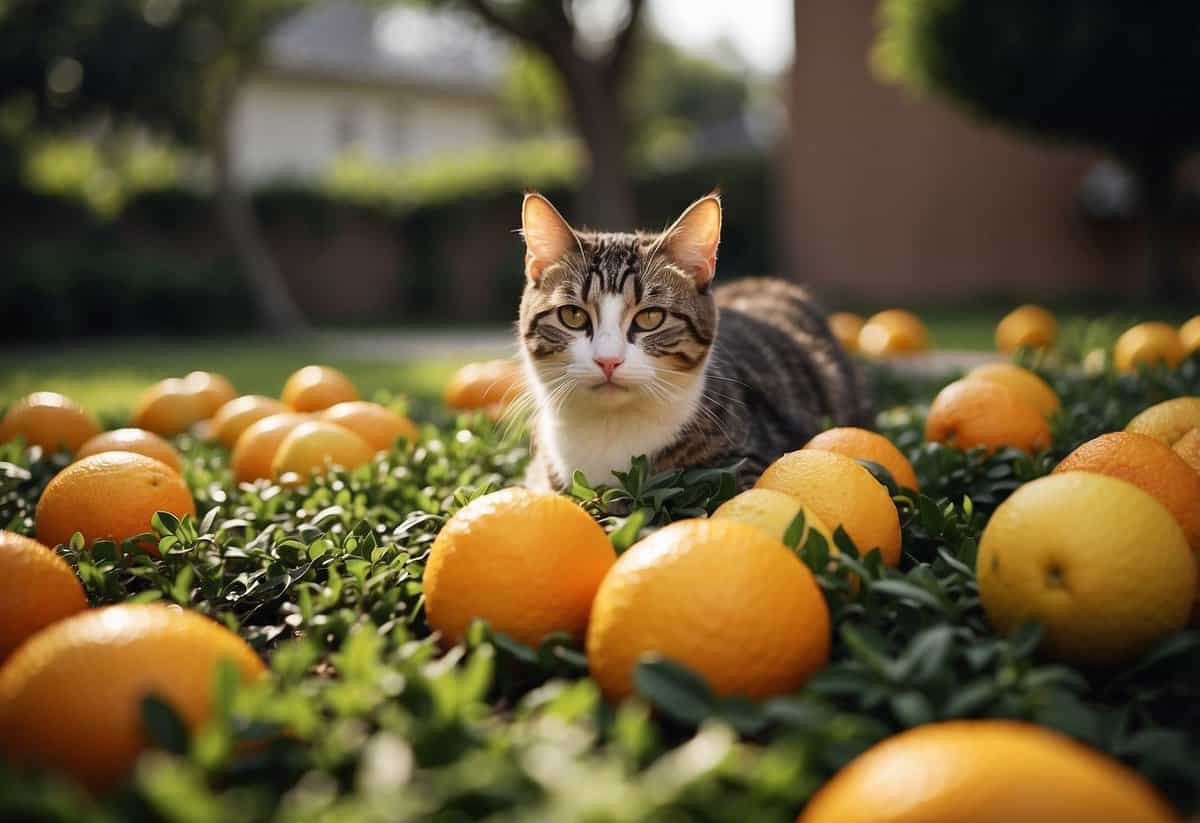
<point x="365" y="710"/>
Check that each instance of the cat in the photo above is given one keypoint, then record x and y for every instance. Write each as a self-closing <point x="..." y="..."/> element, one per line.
<point x="628" y="350"/>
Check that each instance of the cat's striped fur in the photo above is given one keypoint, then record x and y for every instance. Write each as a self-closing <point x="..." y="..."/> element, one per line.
<point x="742" y="372"/>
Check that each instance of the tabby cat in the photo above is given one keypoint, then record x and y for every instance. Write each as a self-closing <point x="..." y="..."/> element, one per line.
<point x="623" y="357"/>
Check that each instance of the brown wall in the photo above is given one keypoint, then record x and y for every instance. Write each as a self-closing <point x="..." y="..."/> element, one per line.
<point x="895" y="198"/>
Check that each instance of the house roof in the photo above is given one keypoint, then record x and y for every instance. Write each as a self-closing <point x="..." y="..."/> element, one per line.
<point x="402" y="45"/>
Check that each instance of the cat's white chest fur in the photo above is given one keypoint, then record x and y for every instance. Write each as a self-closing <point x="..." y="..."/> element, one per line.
<point x="598" y="438"/>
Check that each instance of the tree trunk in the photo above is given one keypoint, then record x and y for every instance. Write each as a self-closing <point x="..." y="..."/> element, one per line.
<point x="278" y="312"/>
<point x="1166" y="281"/>
<point x="606" y="199"/>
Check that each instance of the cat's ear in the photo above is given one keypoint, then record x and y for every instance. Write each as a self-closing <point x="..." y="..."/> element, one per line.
<point x="548" y="237"/>
<point x="692" y="241"/>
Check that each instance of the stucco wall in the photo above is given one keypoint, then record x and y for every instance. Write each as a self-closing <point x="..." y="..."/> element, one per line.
<point x="293" y="128"/>
<point x="895" y="198"/>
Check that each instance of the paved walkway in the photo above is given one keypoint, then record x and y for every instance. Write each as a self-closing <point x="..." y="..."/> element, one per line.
<point x="416" y="345"/>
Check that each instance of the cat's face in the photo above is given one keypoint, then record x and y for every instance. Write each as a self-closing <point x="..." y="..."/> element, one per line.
<point x="612" y="319"/>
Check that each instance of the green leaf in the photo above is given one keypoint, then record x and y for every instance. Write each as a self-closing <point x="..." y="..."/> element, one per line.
<point x="971" y="699"/>
<point x="912" y="709"/>
<point x="674" y="689"/>
<point x="226" y="678"/>
<point x="743" y="714"/>
<point x="181" y="589"/>
<point x="800" y="715"/>
<point x="1067" y="713"/>
<point x="906" y="591"/>
<point x="514" y="648"/>
<point x="926" y="654"/>
<point x="627" y="533"/>
<point x="795" y="531"/>
<point x="580" y="487"/>
<point x="163" y="725"/>
<point x="844" y="543"/>
<point x="1025" y="639"/>
<point x="1182" y="647"/>
<point x="164" y="523"/>
<point x="882" y="475"/>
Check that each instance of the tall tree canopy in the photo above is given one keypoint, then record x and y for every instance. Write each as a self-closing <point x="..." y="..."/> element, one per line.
<point x="1121" y="75"/>
<point x="170" y="65"/>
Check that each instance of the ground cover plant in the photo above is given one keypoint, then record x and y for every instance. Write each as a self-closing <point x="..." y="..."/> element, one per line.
<point x="365" y="717"/>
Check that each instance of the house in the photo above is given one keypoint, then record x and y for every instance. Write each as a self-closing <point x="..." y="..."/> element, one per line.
<point x="892" y="198"/>
<point x="393" y="85"/>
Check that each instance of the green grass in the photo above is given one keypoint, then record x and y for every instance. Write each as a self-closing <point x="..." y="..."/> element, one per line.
<point x="107" y="377"/>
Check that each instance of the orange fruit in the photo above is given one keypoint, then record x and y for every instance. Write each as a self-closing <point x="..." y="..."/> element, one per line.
<point x="235" y="417"/>
<point x="861" y="444"/>
<point x="1101" y="564"/>
<point x="214" y="390"/>
<point x="1026" y="327"/>
<point x="169" y="407"/>
<point x="314" y="388"/>
<point x="138" y="441"/>
<point x="39" y="589"/>
<point x="772" y="512"/>
<point x="378" y="425"/>
<point x="526" y="562"/>
<point x="1188" y="447"/>
<point x="985" y="771"/>
<point x="970" y="413"/>
<point x="48" y="420"/>
<point x="720" y="597"/>
<point x="1168" y="421"/>
<point x="1023" y="383"/>
<point x="840" y="492"/>
<point x="316" y="445"/>
<point x="1148" y="464"/>
<point x="71" y="697"/>
<point x="1189" y="335"/>
<point x="846" y="328"/>
<point x="1148" y="344"/>
<point x="110" y="496"/>
<point x="479" y="385"/>
<point x="255" y="449"/>
<point x="894" y="331"/>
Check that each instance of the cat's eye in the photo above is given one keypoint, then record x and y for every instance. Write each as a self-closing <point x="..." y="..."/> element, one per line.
<point x="649" y="319"/>
<point x="573" y="317"/>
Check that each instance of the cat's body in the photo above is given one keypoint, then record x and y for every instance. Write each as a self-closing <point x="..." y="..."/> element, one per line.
<point x="628" y="351"/>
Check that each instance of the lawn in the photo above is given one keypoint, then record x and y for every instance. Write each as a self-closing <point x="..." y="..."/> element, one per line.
<point x="107" y="377"/>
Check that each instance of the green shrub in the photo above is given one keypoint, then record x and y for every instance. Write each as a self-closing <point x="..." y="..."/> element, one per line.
<point x="366" y="717"/>
<point x="92" y="288"/>
<point x="118" y="280"/>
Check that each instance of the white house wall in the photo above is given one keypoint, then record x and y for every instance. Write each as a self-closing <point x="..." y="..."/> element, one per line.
<point x="293" y="129"/>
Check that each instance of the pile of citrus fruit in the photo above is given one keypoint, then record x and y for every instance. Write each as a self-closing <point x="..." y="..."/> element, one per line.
<point x="1103" y="552"/>
<point x="52" y="646"/>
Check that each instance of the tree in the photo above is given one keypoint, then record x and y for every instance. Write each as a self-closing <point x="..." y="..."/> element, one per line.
<point x="670" y="99"/>
<point x="1121" y="75"/>
<point x="594" y="75"/>
<point x="169" y="65"/>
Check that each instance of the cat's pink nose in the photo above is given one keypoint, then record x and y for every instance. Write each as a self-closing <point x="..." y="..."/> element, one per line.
<point x="608" y="365"/>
